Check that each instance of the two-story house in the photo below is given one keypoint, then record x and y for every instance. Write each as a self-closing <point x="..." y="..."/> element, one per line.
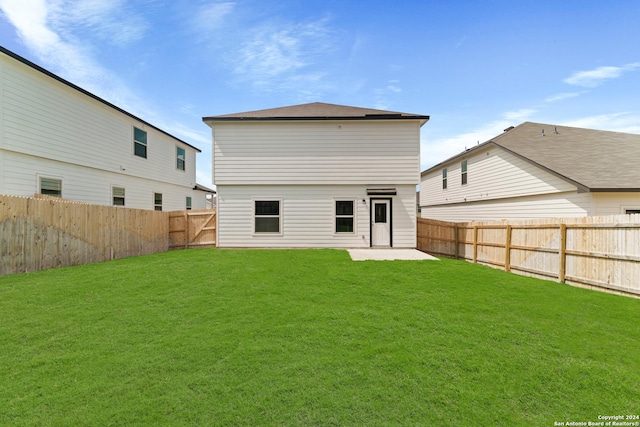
<point x="316" y="175"/>
<point x="58" y="139"/>
<point x="536" y="170"/>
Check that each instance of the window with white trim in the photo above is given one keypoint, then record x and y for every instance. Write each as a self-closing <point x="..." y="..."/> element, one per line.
<point x="180" y="158"/>
<point x="51" y="187"/>
<point x="117" y="195"/>
<point x="444" y="178"/>
<point x="345" y="217"/>
<point x="157" y="201"/>
<point x="267" y="216"/>
<point x="188" y="203"/>
<point x="139" y="142"/>
<point x="463" y="168"/>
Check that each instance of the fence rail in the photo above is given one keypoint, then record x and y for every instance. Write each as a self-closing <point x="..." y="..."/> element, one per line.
<point x="601" y="252"/>
<point x="46" y="232"/>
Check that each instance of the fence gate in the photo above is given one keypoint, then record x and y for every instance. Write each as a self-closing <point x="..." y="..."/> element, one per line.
<point x="192" y="229"/>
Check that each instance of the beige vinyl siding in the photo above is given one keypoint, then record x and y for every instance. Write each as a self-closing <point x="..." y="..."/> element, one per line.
<point x="571" y="204"/>
<point x="323" y="152"/>
<point x="308" y="216"/>
<point x="492" y="174"/>
<point x="46" y="118"/>
<point x="614" y="203"/>
<point x="19" y="177"/>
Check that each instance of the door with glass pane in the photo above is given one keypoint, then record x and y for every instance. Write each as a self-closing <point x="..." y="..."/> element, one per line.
<point x="381" y="223"/>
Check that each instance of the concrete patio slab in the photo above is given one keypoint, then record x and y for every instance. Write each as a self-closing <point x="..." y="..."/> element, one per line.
<point x="388" y="254"/>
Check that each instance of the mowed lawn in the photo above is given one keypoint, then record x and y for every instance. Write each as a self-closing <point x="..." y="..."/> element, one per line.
<point x="309" y="337"/>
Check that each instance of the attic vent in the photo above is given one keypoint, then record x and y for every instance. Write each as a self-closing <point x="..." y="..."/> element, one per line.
<point x="509" y="128"/>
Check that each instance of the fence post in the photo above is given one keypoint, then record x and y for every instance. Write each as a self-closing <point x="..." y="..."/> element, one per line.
<point x="475" y="244"/>
<point x="507" y="250"/>
<point x="455" y="242"/>
<point x="187" y="238"/>
<point x="563" y="253"/>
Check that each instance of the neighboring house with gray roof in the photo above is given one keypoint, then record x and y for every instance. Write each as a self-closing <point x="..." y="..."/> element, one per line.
<point x="316" y="175"/>
<point x="536" y="170"/>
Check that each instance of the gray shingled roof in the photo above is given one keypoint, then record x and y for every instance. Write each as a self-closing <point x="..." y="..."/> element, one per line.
<point x="593" y="160"/>
<point x="598" y="160"/>
<point x="316" y="111"/>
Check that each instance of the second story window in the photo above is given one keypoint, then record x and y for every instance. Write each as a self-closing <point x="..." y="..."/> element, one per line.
<point x="444" y="178"/>
<point x="180" y="158"/>
<point x="139" y="142"/>
<point x="463" y="168"/>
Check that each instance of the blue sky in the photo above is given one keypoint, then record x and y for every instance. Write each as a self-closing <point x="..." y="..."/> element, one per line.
<point x="476" y="67"/>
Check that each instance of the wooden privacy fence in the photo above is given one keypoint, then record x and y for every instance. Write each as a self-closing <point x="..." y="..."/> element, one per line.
<point x="601" y="252"/>
<point x="192" y="229"/>
<point x="42" y="233"/>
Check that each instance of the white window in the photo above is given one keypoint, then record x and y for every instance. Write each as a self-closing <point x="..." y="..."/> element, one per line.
<point x="267" y="216"/>
<point x="139" y="142"/>
<point x="463" y="168"/>
<point x="188" y="203"/>
<point x="345" y="216"/>
<point x="117" y="195"/>
<point x="51" y="187"/>
<point x="157" y="201"/>
<point x="444" y="178"/>
<point x="180" y="157"/>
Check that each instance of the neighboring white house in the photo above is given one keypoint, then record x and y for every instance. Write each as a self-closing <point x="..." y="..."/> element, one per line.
<point x="316" y="175"/>
<point x="59" y="139"/>
<point x="536" y="170"/>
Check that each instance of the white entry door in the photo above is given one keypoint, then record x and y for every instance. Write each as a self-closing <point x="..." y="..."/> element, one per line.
<point x="381" y="223"/>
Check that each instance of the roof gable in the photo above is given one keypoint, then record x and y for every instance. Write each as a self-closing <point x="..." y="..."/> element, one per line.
<point x="599" y="160"/>
<point x="593" y="160"/>
<point x="317" y="111"/>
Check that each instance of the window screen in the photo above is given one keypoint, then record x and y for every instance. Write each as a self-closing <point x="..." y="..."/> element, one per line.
<point x="344" y="216"/>
<point x="267" y="216"/>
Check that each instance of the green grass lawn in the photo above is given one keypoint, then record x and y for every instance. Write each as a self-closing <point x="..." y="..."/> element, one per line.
<point x="308" y="337"/>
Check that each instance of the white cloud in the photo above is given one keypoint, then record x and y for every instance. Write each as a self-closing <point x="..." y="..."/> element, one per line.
<point x="202" y="138"/>
<point x="212" y="16"/>
<point x="45" y="31"/>
<point x="30" y="19"/>
<point x="272" y="54"/>
<point x="381" y="105"/>
<point x="284" y="56"/>
<point x="110" y="20"/>
<point x="616" y="122"/>
<point x="596" y="77"/>
<point x="562" y="96"/>
<point x="437" y="150"/>
<point x="519" y="115"/>
<point x="393" y="88"/>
